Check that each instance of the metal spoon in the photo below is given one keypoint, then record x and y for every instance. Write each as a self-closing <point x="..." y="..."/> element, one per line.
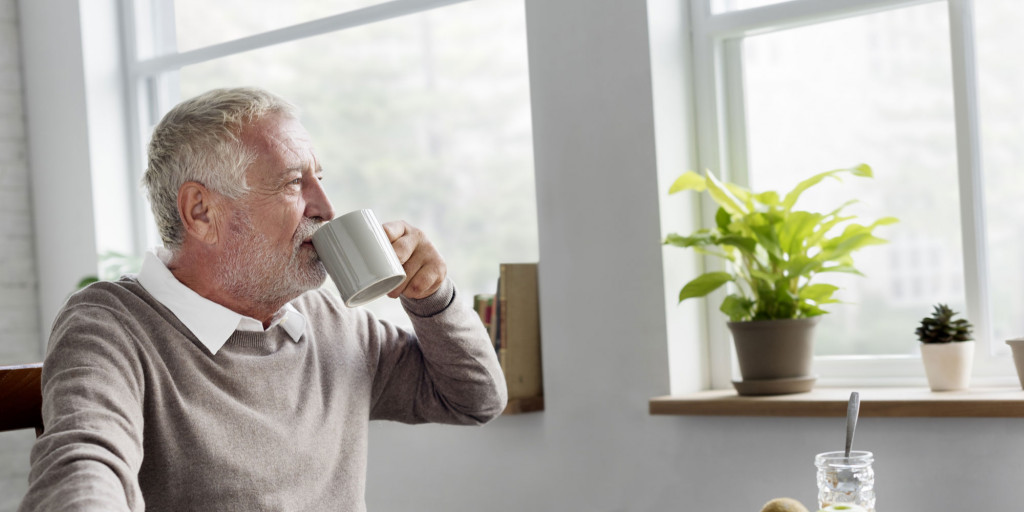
<point x="852" y="410"/>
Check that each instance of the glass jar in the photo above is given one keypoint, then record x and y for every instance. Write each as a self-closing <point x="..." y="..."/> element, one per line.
<point x="846" y="480"/>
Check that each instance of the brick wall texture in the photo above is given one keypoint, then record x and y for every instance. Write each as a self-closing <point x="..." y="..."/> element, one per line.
<point x="19" y="317"/>
<point x="19" y="330"/>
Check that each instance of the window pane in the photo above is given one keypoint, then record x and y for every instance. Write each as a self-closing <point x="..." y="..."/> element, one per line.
<point x="873" y="89"/>
<point x="202" y="22"/>
<point x="424" y="118"/>
<point x="1000" y="87"/>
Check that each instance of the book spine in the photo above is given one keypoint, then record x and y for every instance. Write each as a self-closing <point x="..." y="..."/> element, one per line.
<point x="519" y="329"/>
<point x="493" y="328"/>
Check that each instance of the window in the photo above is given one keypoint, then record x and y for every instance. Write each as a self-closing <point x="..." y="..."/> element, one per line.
<point x="721" y="6"/>
<point x="876" y="89"/>
<point x="417" y="111"/>
<point x="924" y="93"/>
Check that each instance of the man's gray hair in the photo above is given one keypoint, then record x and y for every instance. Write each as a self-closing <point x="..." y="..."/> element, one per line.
<point x="199" y="140"/>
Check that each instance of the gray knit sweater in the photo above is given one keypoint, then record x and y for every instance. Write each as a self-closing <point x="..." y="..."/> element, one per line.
<point x="140" y="416"/>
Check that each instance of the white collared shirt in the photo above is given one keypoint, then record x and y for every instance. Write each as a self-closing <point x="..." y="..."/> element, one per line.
<point x="212" y="323"/>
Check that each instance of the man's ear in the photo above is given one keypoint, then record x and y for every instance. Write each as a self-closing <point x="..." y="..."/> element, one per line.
<point x="198" y="210"/>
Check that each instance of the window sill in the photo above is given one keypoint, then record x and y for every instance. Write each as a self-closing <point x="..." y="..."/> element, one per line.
<point x="908" y="402"/>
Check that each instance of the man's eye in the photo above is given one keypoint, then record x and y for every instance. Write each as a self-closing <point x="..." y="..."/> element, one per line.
<point x="296" y="181"/>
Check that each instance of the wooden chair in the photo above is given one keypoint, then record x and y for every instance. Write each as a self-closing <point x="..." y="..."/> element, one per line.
<point x="21" y="397"/>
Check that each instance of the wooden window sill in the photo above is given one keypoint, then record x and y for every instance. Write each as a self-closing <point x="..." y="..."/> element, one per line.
<point x="916" y="402"/>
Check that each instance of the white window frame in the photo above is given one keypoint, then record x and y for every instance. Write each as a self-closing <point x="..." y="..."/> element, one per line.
<point x="721" y="144"/>
<point x="152" y="61"/>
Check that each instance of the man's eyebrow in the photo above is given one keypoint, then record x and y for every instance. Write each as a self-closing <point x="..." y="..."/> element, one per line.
<point x="300" y="169"/>
<point x="289" y="172"/>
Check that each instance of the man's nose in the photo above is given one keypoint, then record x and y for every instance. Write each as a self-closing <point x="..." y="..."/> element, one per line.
<point x="317" y="203"/>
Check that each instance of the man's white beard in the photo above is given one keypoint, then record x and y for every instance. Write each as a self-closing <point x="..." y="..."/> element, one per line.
<point x="256" y="271"/>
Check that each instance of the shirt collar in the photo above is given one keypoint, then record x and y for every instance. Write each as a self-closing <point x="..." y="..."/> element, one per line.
<point x="210" y="322"/>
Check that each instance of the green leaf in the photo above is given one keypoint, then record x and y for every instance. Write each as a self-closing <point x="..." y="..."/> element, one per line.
<point x="819" y="292"/>
<point x="791" y="198"/>
<point x="737" y="307"/>
<point x="884" y="221"/>
<point x="769" y="198"/>
<point x="846" y="269"/>
<point x="723" y="219"/>
<point x="762" y="275"/>
<point x="725" y="254"/>
<point x="704" y="284"/>
<point x="741" y="194"/>
<point x="717" y="190"/>
<point x="822" y="230"/>
<point x="86" y="281"/>
<point x="786" y="307"/>
<point x="796" y="230"/>
<point x="863" y="170"/>
<point x="745" y="244"/>
<point x="700" y="238"/>
<point x="801" y="266"/>
<point x="810" y="310"/>
<point x="688" y="181"/>
<point x="764" y="231"/>
<point x="853" y="238"/>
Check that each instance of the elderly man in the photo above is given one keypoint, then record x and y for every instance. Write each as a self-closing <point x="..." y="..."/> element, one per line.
<point x="221" y="377"/>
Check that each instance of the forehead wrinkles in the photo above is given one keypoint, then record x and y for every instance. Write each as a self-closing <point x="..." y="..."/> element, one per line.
<point x="280" y="139"/>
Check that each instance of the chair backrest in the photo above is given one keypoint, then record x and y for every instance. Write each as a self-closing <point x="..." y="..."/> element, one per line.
<point x="21" y="397"/>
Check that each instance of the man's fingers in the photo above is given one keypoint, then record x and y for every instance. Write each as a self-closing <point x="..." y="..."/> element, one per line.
<point x="405" y="247"/>
<point x="424" y="267"/>
<point x="395" y="229"/>
<point x="424" y="273"/>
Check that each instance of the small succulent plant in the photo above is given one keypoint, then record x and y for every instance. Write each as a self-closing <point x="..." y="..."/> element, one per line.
<point x="942" y="328"/>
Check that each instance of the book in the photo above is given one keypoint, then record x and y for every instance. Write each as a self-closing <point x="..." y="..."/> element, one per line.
<point x="483" y="304"/>
<point x="518" y="329"/>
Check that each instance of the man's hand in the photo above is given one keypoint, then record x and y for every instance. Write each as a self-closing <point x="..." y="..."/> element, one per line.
<point x="425" y="268"/>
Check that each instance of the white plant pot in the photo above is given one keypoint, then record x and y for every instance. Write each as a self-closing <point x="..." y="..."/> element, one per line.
<point x="948" y="365"/>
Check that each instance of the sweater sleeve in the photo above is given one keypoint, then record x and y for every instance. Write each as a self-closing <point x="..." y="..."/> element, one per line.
<point x="447" y="372"/>
<point x="89" y="456"/>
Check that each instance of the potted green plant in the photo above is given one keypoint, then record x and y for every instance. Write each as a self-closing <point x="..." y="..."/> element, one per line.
<point x="774" y="253"/>
<point x="947" y="349"/>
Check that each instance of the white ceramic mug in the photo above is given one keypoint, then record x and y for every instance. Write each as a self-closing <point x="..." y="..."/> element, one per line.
<point x="358" y="256"/>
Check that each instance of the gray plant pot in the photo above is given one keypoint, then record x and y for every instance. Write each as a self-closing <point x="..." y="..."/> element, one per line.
<point x="774" y="349"/>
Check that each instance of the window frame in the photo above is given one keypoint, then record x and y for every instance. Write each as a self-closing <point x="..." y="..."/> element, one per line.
<point x="721" y="144"/>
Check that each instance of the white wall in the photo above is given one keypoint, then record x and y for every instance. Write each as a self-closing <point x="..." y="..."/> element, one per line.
<point x="595" y="448"/>
<point x="602" y="308"/>
<point x="55" y="101"/>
